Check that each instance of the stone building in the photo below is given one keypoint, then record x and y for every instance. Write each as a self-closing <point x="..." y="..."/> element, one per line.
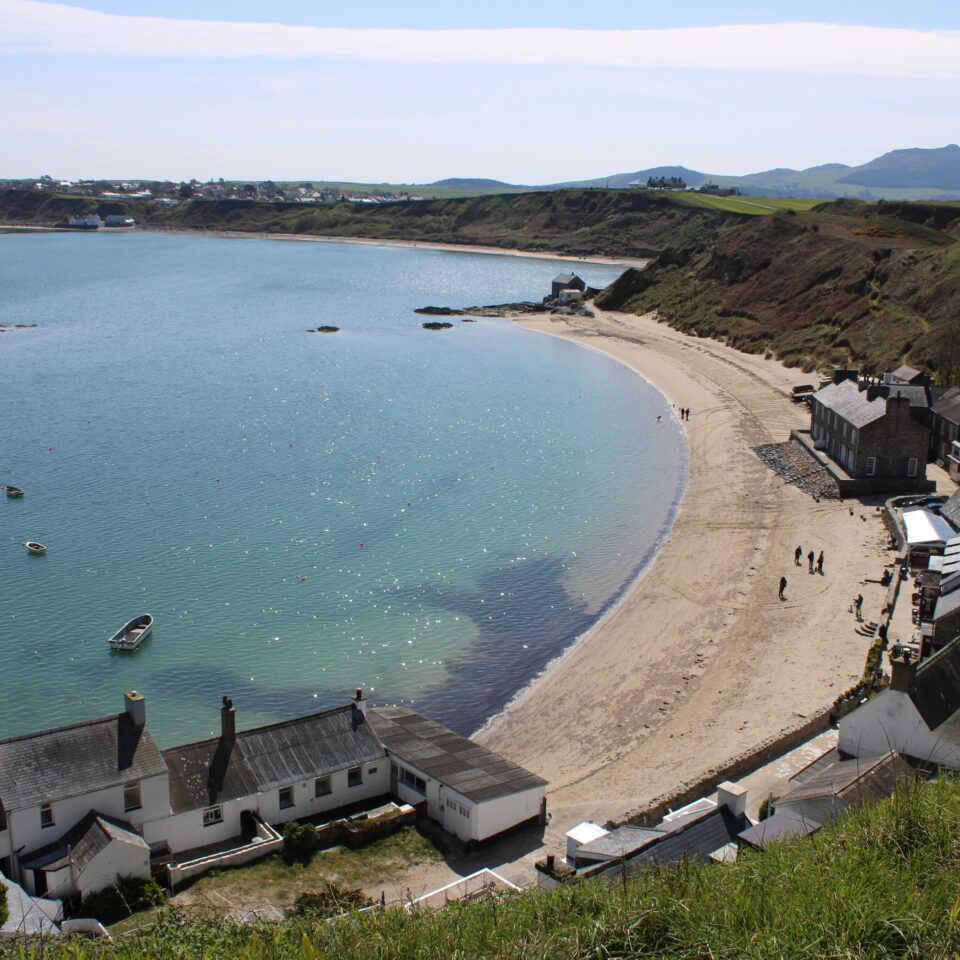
<point x="566" y="281"/>
<point x="873" y="432"/>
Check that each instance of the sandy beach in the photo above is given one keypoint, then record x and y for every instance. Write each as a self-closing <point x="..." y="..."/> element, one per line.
<point x="701" y="661"/>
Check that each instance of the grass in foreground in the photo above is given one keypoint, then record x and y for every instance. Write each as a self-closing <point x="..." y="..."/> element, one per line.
<point x="881" y="883"/>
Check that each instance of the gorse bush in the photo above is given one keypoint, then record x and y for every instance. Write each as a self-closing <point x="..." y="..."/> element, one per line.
<point x="880" y="883"/>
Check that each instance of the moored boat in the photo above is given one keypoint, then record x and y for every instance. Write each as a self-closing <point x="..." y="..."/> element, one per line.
<point x="132" y="633"/>
<point x="34" y="547"/>
<point x="13" y="491"/>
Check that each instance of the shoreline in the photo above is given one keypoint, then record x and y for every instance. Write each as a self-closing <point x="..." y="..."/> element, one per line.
<point x="638" y="262"/>
<point x="698" y="661"/>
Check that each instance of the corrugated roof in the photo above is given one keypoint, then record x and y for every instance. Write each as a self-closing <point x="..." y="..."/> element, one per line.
<point x="265" y="758"/>
<point x="850" y="403"/>
<point x="854" y="781"/>
<point x="68" y="761"/>
<point x="472" y="770"/>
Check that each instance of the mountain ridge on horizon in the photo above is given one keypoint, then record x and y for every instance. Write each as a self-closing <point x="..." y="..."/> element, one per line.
<point x="912" y="173"/>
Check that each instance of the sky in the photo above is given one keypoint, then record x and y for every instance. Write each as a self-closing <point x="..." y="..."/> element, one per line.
<point x="525" y="91"/>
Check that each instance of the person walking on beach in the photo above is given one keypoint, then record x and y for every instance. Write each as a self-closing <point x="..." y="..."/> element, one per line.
<point x="797" y="554"/>
<point x="811" y="556"/>
<point x="820" y="564"/>
<point x="783" y="586"/>
<point x="858" y="606"/>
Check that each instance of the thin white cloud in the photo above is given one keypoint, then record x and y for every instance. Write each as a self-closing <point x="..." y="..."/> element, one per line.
<point x="32" y="26"/>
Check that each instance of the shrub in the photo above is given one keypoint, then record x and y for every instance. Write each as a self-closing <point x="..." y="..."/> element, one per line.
<point x="328" y="900"/>
<point x="128" y="896"/>
<point x="299" y="842"/>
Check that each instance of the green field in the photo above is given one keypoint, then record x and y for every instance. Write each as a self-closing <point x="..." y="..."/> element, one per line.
<point x="752" y="205"/>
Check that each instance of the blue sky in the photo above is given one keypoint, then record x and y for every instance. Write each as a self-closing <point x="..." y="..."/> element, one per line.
<point x="528" y="92"/>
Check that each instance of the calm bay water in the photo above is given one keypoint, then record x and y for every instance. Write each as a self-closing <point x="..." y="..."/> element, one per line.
<point x="433" y="516"/>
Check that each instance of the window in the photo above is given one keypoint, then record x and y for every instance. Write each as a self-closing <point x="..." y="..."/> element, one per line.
<point x="871" y="466"/>
<point x="131" y="796"/>
<point x="912" y="467"/>
<point x="212" y="815"/>
<point x="286" y="798"/>
<point x="412" y="780"/>
<point x="46" y="815"/>
<point x="355" y="777"/>
<point x="3" y="818"/>
<point x="321" y="787"/>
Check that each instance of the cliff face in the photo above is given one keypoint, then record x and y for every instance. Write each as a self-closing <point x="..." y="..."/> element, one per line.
<point x="626" y="223"/>
<point x="843" y="284"/>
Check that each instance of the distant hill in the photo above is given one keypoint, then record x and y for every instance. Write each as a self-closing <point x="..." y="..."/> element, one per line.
<point x="912" y="174"/>
<point x="910" y="168"/>
<point x="475" y="183"/>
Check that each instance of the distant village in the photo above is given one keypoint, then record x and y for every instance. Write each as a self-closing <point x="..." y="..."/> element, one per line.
<point x="171" y="193"/>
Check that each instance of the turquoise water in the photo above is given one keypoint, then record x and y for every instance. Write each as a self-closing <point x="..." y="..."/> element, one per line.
<point x="433" y="516"/>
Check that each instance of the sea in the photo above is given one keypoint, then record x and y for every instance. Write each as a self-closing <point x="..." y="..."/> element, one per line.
<point x="432" y="516"/>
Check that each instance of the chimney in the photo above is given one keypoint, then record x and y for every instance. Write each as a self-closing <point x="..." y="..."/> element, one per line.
<point x="136" y="707"/>
<point x="732" y="797"/>
<point x="228" y="721"/>
<point x="359" y="703"/>
<point x="902" y="670"/>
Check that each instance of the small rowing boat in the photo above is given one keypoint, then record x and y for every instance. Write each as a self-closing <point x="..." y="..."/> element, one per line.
<point x="34" y="547"/>
<point x="13" y="491"/>
<point x="133" y="633"/>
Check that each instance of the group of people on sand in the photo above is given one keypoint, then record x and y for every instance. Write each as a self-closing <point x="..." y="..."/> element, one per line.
<point x="684" y="413"/>
<point x="814" y="565"/>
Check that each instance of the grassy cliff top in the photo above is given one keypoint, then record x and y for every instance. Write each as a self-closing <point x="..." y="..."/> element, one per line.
<point x="881" y="882"/>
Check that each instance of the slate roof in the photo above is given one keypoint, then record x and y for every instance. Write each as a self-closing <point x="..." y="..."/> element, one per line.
<point x="905" y="373"/>
<point x="781" y="826"/>
<point x="948" y="406"/>
<point x="621" y="842"/>
<point x="951" y="509"/>
<point x="475" y="772"/>
<point x="83" y="841"/>
<point x="566" y="278"/>
<point x="212" y="771"/>
<point x="692" y="839"/>
<point x="816" y="766"/>
<point x="850" y="403"/>
<point x="69" y="761"/>
<point x="858" y="780"/>
<point x="936" y="687"/>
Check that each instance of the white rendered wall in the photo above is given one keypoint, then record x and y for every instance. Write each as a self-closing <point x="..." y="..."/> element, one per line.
<point x="117" y="859"/>
<point x="888" y="722"/>
<point x="494" y="816"/>
<point x="27" y="835"/>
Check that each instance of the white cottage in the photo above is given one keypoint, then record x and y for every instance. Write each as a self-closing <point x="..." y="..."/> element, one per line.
<point x="85" y="804"/>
